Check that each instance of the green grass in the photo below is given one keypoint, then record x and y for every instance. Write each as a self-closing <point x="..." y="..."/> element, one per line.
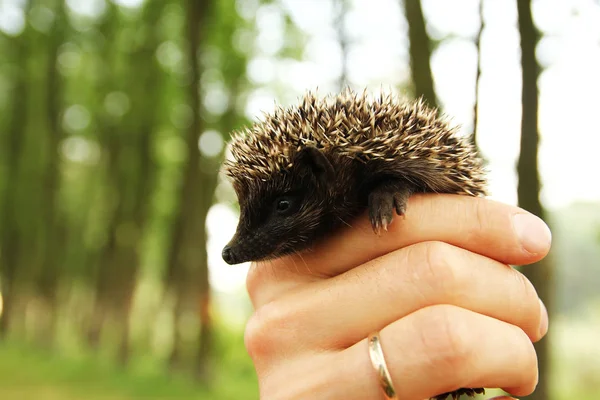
<point x="30" y="374"/>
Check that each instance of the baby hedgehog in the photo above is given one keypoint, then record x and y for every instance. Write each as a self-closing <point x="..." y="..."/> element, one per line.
<point x="305" y="171"/>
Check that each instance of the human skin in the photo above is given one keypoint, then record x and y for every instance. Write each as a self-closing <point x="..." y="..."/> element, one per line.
<point x="438" y="286"/>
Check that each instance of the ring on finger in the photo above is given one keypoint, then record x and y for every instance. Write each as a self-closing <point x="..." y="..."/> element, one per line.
<point x="378" y="361"/>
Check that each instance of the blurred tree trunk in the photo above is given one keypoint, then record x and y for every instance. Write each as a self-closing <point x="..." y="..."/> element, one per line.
<point x="477" y="76"/>
<point x="420" y="52"/>
<point x="131" y="178"/>
<point x="342" y="11"/>
<point x="146" y="90"/>
<point x="202" y="292"/>
<point x="99" y="279"/>
<point x="187" y="276"/>
<point x="47" y="283"/>
<point x="528" y="175"/>
<point x="10" y="232"/>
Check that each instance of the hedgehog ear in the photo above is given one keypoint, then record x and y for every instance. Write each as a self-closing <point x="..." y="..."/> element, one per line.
<point x="311" y="161"/>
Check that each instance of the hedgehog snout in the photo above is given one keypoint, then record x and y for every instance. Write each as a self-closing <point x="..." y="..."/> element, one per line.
<point x="241" y="248"/>
<point x="228" y="255"/>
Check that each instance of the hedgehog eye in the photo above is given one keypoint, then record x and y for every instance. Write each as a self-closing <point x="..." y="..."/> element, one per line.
<point x="284" y="204"/>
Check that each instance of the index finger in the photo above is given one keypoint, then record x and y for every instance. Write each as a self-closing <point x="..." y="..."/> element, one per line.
<point x="499" y="231"/>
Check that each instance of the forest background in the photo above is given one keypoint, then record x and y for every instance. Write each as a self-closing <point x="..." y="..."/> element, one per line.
<point x="113" y="121"/>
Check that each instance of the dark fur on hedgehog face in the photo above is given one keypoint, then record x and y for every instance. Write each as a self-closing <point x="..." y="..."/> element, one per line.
<point x="283" y="214"/>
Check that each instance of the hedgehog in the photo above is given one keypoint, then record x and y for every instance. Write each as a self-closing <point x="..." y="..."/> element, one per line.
<point x="304" y="171"/>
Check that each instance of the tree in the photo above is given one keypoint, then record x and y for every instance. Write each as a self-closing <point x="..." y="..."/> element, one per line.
<point x="342" y="11"/>
<point x="477" y="75"/>
<point x="10" y="234"/>
<point x="420" y="52"/>
<point x="130" y="175"/>
<point x="528" y="176"/>
<point x="54" y="238"/>
<point x="188" y="260"/>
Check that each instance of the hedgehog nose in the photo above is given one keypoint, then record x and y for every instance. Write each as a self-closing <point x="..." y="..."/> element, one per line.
<point x="228" y="255"/>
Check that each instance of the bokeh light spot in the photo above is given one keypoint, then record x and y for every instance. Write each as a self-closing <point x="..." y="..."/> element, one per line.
<point x="41" y="18"/>
<point x="210" y="143"/>
<point x="69" y="58"/>
<point x="117" y="104"/>
<point x="80" y="150"/>
<point x="76" y="118"/>
<point x="12" y="19"/>
<point x="87" y="8"/>
<point x="169" y="55"/>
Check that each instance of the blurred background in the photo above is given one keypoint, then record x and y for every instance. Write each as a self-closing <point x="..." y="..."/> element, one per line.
<point x="113" y="121"/>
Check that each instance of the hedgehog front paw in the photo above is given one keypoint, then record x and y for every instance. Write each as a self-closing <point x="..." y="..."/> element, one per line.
<point x="380" y="211"/>
<point x="383" y="201"/>
<point x="457" y="393"/>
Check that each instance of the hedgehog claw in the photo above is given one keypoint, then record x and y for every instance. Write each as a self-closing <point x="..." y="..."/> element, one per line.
<point x="383" y="201"/>
<point x="380" y="211"/>
<point x="400" y="205"/>
<point x="374" y="225"/>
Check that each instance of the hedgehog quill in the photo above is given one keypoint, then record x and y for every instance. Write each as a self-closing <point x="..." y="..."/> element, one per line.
<point x="305" y="171"/>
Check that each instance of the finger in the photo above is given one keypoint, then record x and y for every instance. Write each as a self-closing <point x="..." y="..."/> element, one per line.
<point x="502" y="398"/>
<point x="478" y="225"/>
<point x="441" y="349"/>
<point x="499" y="231"/>
<point x="338" y="312"/>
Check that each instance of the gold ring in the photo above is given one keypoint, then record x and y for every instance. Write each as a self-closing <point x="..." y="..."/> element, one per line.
<point x="378" y="361"/>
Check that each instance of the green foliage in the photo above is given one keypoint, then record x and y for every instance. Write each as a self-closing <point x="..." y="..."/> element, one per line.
<point x="26" y="373"/>
<point x="92" y="159"/>
<point x="577" y="251"/>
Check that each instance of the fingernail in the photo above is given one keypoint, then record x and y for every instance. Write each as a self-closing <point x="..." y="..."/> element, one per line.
<point x="543" y="319"/>
<point x="534" y="234"/>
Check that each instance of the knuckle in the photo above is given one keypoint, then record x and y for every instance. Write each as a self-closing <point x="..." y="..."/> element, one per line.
<point x="438" y="260"/>
<point x="262" y="334"/>
<point x="253" y="336"/>
<point x="445" y="338"/>
<point x="438" y="268"/>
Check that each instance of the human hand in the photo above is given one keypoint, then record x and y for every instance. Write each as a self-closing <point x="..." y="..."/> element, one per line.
<point x="451" y="313"/>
